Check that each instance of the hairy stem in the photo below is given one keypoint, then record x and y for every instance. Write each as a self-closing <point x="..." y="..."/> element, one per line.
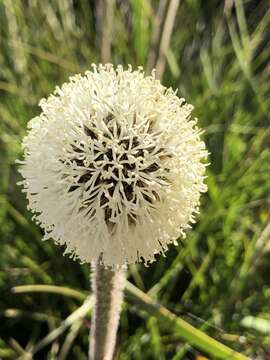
<point x="107" y="287"/>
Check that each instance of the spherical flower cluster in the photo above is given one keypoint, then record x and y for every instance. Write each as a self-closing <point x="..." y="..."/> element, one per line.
<point x="113" y="166"/>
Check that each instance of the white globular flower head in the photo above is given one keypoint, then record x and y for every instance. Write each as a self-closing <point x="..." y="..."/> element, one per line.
<point x="114" y="166"/>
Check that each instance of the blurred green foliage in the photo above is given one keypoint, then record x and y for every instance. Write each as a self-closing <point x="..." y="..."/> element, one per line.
<point x="218" y="278"/>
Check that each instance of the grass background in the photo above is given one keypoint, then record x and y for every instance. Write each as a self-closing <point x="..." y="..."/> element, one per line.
<point x="218" y="278"/>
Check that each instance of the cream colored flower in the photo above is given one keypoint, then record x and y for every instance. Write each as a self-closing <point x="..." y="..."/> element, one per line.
<point x="113" y="166"/>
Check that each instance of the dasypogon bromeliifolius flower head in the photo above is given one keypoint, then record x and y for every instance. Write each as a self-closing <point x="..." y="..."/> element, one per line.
<point x="114" y="166"/>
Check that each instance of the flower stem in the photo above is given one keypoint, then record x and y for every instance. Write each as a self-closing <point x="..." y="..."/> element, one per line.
<point x="107" y="287"/>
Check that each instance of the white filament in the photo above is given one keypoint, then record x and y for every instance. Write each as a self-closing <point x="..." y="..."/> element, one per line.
<point x="113" y="166"/>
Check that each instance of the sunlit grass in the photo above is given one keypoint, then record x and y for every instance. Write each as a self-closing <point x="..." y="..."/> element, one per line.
<point x="219" y="276"/>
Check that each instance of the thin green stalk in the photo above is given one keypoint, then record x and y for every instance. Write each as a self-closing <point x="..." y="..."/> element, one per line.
<point x="166" y="37"/>
<point x="192" y="335"/>
<point x="76" y="316"/>
<point x="60" y="290"/>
